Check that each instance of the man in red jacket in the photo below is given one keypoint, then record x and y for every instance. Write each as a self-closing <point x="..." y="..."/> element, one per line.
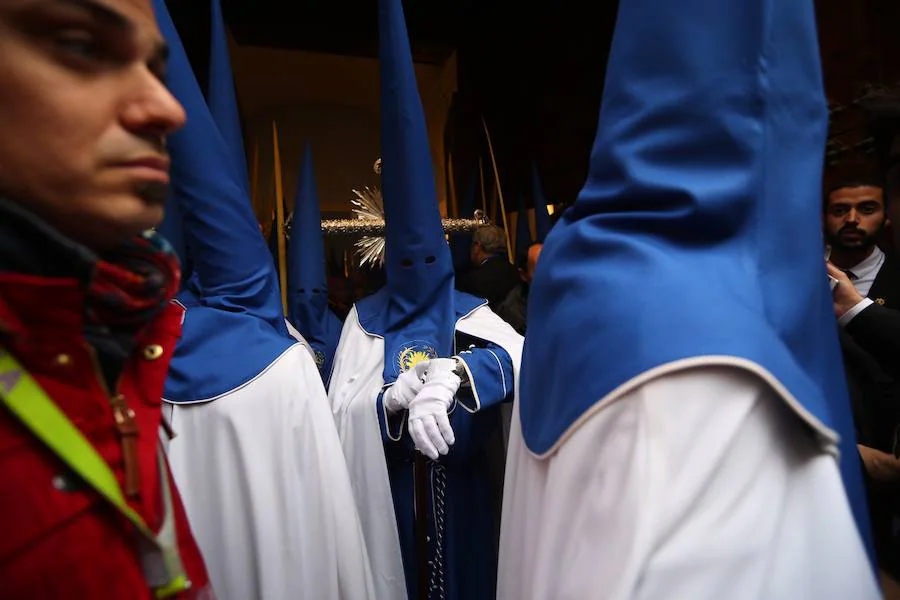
<point x="87" y="507"/>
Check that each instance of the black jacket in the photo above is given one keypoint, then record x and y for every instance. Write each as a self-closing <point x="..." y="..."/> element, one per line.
<point x="492" y="280"/>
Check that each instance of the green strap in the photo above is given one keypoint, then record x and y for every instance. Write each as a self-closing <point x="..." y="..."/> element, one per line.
<point x="31" y="404"/>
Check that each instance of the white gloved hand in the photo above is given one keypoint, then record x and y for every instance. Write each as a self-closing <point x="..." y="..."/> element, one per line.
<point x="429" y="424"/>
<point x="397" y="397"/>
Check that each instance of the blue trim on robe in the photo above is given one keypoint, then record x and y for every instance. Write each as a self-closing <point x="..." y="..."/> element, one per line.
<point x="490" y="377"/>
<point x="470" y="554"/>
<point x="392" y="426"/>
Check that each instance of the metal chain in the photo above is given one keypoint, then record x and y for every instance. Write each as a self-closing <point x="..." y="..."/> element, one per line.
<point x="436" y="589"/>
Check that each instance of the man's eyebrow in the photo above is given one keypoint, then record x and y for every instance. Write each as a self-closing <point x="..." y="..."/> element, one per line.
<point x="101" y="12"/>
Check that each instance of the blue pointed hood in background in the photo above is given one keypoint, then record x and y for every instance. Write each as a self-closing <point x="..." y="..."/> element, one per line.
<point x="414" y="312"/>
<point x="234" y="327"/>
<point x="703" y="201"/>
<point x="222" y="97"/>
<point x="307" y="293"/>
<point x="542" y="221"/>
<point x="523" y="230"/>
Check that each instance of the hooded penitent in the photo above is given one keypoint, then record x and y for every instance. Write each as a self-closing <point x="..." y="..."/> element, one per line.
<point x="307" y="294"/>
<point x="703" y="202"/>
<point x="417" y="314"/>
<point x="234" y="327"/>
<point x="415" y="311"/>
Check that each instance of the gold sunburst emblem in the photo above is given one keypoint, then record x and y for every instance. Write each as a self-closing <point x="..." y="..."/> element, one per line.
<point x="414" y="353"/>
<point x="410" y="357"/>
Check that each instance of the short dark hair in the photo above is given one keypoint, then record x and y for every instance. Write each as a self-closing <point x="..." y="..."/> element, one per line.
<point x="875" y="182"/>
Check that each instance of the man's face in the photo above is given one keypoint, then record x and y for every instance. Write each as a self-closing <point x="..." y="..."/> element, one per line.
<point x="854" y="217"/>
<point x="475" y="252"/>
<point x="84" y="114"/>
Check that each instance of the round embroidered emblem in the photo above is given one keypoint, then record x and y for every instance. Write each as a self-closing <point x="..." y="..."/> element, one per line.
<point x="412" y="353"/>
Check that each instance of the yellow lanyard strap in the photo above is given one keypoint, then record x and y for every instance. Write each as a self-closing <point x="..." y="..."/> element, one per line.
<point x="34" y="408"/>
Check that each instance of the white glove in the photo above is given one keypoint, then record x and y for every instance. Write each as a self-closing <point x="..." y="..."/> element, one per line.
<point x="397" y="397"/>
<point x="429" y="425"/>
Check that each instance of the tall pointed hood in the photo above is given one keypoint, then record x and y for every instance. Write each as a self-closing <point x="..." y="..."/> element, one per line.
<point x="308" y="308"/>
<point x="542" y="222"/>
<point x="703" y="202"/>
<point x="419" y="311"/>
<point x="222" y="98"/>
<point x="234" y="326"/>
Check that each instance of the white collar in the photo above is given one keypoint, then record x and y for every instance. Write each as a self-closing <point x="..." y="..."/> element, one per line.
<point x="868" y="267"/>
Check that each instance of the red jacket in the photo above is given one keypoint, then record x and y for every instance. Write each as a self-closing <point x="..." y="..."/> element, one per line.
<point x="59" y="539"/>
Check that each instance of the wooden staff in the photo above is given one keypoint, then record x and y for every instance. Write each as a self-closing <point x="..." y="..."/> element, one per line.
<point x="279" y="221"/>
<point x="487" y="134"/>
<point x="484" y="206"/>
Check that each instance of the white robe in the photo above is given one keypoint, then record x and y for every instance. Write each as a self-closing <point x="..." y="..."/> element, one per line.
<point x="356" y="380"/>
<point x="267" y="491"/>
<point x="697" y="485"/>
